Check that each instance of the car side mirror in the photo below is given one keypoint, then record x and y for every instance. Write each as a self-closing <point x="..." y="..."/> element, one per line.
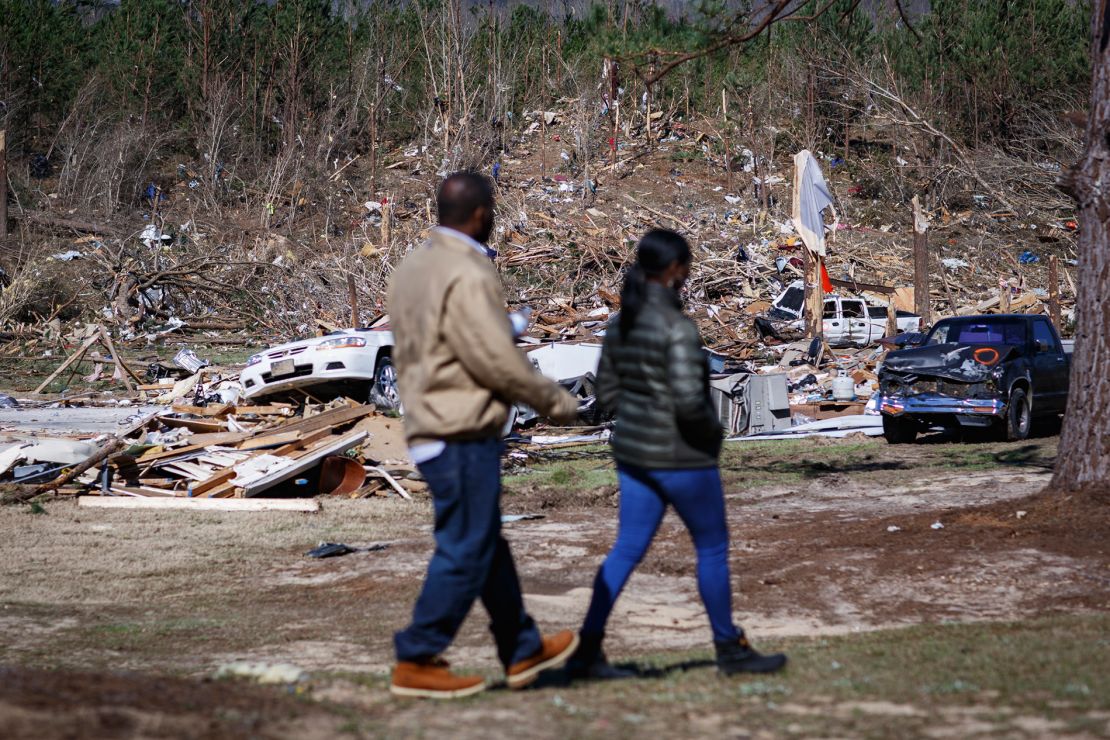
<point x="1040" y="346"/>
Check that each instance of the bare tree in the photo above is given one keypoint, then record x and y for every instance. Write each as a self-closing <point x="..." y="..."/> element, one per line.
<point x="1084" y="460"/>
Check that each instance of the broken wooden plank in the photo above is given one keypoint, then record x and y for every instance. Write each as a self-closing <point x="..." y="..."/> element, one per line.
<point x="275" y="410"/>
<point x="141" y="491"/>
<point x="218" y="438"/>
<point x="216" y="409"/>
<point x="271" y="440"/>
<point x="197" y="442"/>
<point x="856" y="286"/>
<point x="332" y="418"/>
<point x="661" y="214"/>
<point x="200" y="426"/>
<point x="76" y="356"/>
<point x="124" y="370"/>
<point x="220" y="484"/>
<point x="305" y="461"/>
<point x="199" y="504"/>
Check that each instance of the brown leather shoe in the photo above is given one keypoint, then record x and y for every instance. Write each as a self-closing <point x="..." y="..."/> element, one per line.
<point x="431" y="679"/>
<point x="554" y="653"/>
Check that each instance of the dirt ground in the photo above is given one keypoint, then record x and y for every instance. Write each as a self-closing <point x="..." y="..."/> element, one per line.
<point x="113" y="622"/>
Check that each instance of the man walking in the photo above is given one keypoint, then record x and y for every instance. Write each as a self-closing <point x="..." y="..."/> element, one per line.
<point x="458" y="373"/>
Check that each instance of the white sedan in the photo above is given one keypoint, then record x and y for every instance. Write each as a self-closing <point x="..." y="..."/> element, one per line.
<point x="355" y="362"/>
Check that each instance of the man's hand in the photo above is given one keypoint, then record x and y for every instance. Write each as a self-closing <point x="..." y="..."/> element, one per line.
<point x="566" y="409"/>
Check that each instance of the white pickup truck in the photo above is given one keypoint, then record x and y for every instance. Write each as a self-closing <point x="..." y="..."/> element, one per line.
<point x="846" y="320"/>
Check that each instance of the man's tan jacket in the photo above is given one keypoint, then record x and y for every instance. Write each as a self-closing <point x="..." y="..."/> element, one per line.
<point x="458" y="370"/>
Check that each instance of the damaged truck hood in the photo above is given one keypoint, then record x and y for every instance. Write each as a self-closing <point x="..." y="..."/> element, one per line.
<point x="969" y="363"/>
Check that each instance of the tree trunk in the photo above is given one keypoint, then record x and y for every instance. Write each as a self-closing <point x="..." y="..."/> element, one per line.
<point x="921" y="297"/>
<point x="1084" y="459"/>
<point x="3" y="184"/>
<point x="1054" y="291"/>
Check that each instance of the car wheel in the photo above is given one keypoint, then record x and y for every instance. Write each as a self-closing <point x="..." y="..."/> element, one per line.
<point x="899" y="430"/>
<point x="1019" y="416"/>
<point x="384" y="393"/>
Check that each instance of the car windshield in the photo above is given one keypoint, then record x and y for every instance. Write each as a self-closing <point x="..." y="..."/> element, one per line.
<point x="979" y="331"/>
<point x="792" y="299"/>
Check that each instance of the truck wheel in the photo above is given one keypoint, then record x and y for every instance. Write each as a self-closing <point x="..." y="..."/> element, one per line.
<point x="384" y="393"/>
<point x="1018" y="416"/>
<point x="899" y="430"/>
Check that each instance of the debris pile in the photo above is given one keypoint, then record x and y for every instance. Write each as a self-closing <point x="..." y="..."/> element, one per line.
<point x="161" y="283"/>
<point x="223" y="450"/>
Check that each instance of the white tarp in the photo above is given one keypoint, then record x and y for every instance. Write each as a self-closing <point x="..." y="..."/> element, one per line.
<point x="811" y="197"/>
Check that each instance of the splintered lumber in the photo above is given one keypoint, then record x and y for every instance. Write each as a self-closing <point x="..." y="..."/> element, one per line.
<point x="273" y="440"/>
<point x="304" y="461"/>
<point x="69" y="361"/>
<point x="329" y="419"/>
<point x="216" y="409"/>
<point x="660" y="214"/>
<point x="199" y="504"/>
<point x="274" y="410"/>
<point x="221" y="483"/>
<point x="141" y="491"/>
<point x="217" y="438"/>
<point x="225" y="438"/>
<point x="124" y="370"/>
<point x="856" y="286"/>
<point x="200" y="426"/>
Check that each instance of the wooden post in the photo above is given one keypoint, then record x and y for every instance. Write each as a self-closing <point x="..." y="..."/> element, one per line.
<point x="724" y="141"/>
<point x="921" y="264"/>
<point x="387" y="227"/>
<point x="1054" y="290"/>
<point x="1003" y="295"/>
<point x="75" y="357"/>
<point x="891" y="319"/>
<point x="543" y="95"/>
<point x="614" y="107"/>
<point x="3" y="183"/>
<point x="948" y="292"/>
<point x="815" y="295"/>
<point x="352" y="294"/>
<point x="124" y="371"/>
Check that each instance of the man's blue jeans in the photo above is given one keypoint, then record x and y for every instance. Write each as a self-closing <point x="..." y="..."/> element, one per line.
<point x="471" y="560"/>
<point x="699" y="501"/>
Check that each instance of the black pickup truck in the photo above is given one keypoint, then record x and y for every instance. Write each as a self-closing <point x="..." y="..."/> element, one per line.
<point x="976" y="372"/>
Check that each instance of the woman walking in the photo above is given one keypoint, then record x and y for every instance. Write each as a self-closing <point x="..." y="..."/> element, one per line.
<point x="655" y="375"/>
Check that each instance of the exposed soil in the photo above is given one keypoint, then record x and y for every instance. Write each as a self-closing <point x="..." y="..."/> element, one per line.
<point x="48" y="704"/>
<point x="180" y="593"/>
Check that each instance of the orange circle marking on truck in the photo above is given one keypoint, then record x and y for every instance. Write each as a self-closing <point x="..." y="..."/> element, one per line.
<point x="986" y="356"/>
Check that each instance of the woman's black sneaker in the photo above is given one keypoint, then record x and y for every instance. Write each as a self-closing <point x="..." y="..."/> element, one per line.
<point x="589" y="661"/>
<point x="739" y="657"/>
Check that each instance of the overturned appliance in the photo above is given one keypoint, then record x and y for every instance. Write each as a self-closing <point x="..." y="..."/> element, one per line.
<point x="751" y="404"/>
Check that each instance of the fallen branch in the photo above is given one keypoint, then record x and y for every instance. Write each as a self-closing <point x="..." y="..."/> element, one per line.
<point x="90" y="227"/>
